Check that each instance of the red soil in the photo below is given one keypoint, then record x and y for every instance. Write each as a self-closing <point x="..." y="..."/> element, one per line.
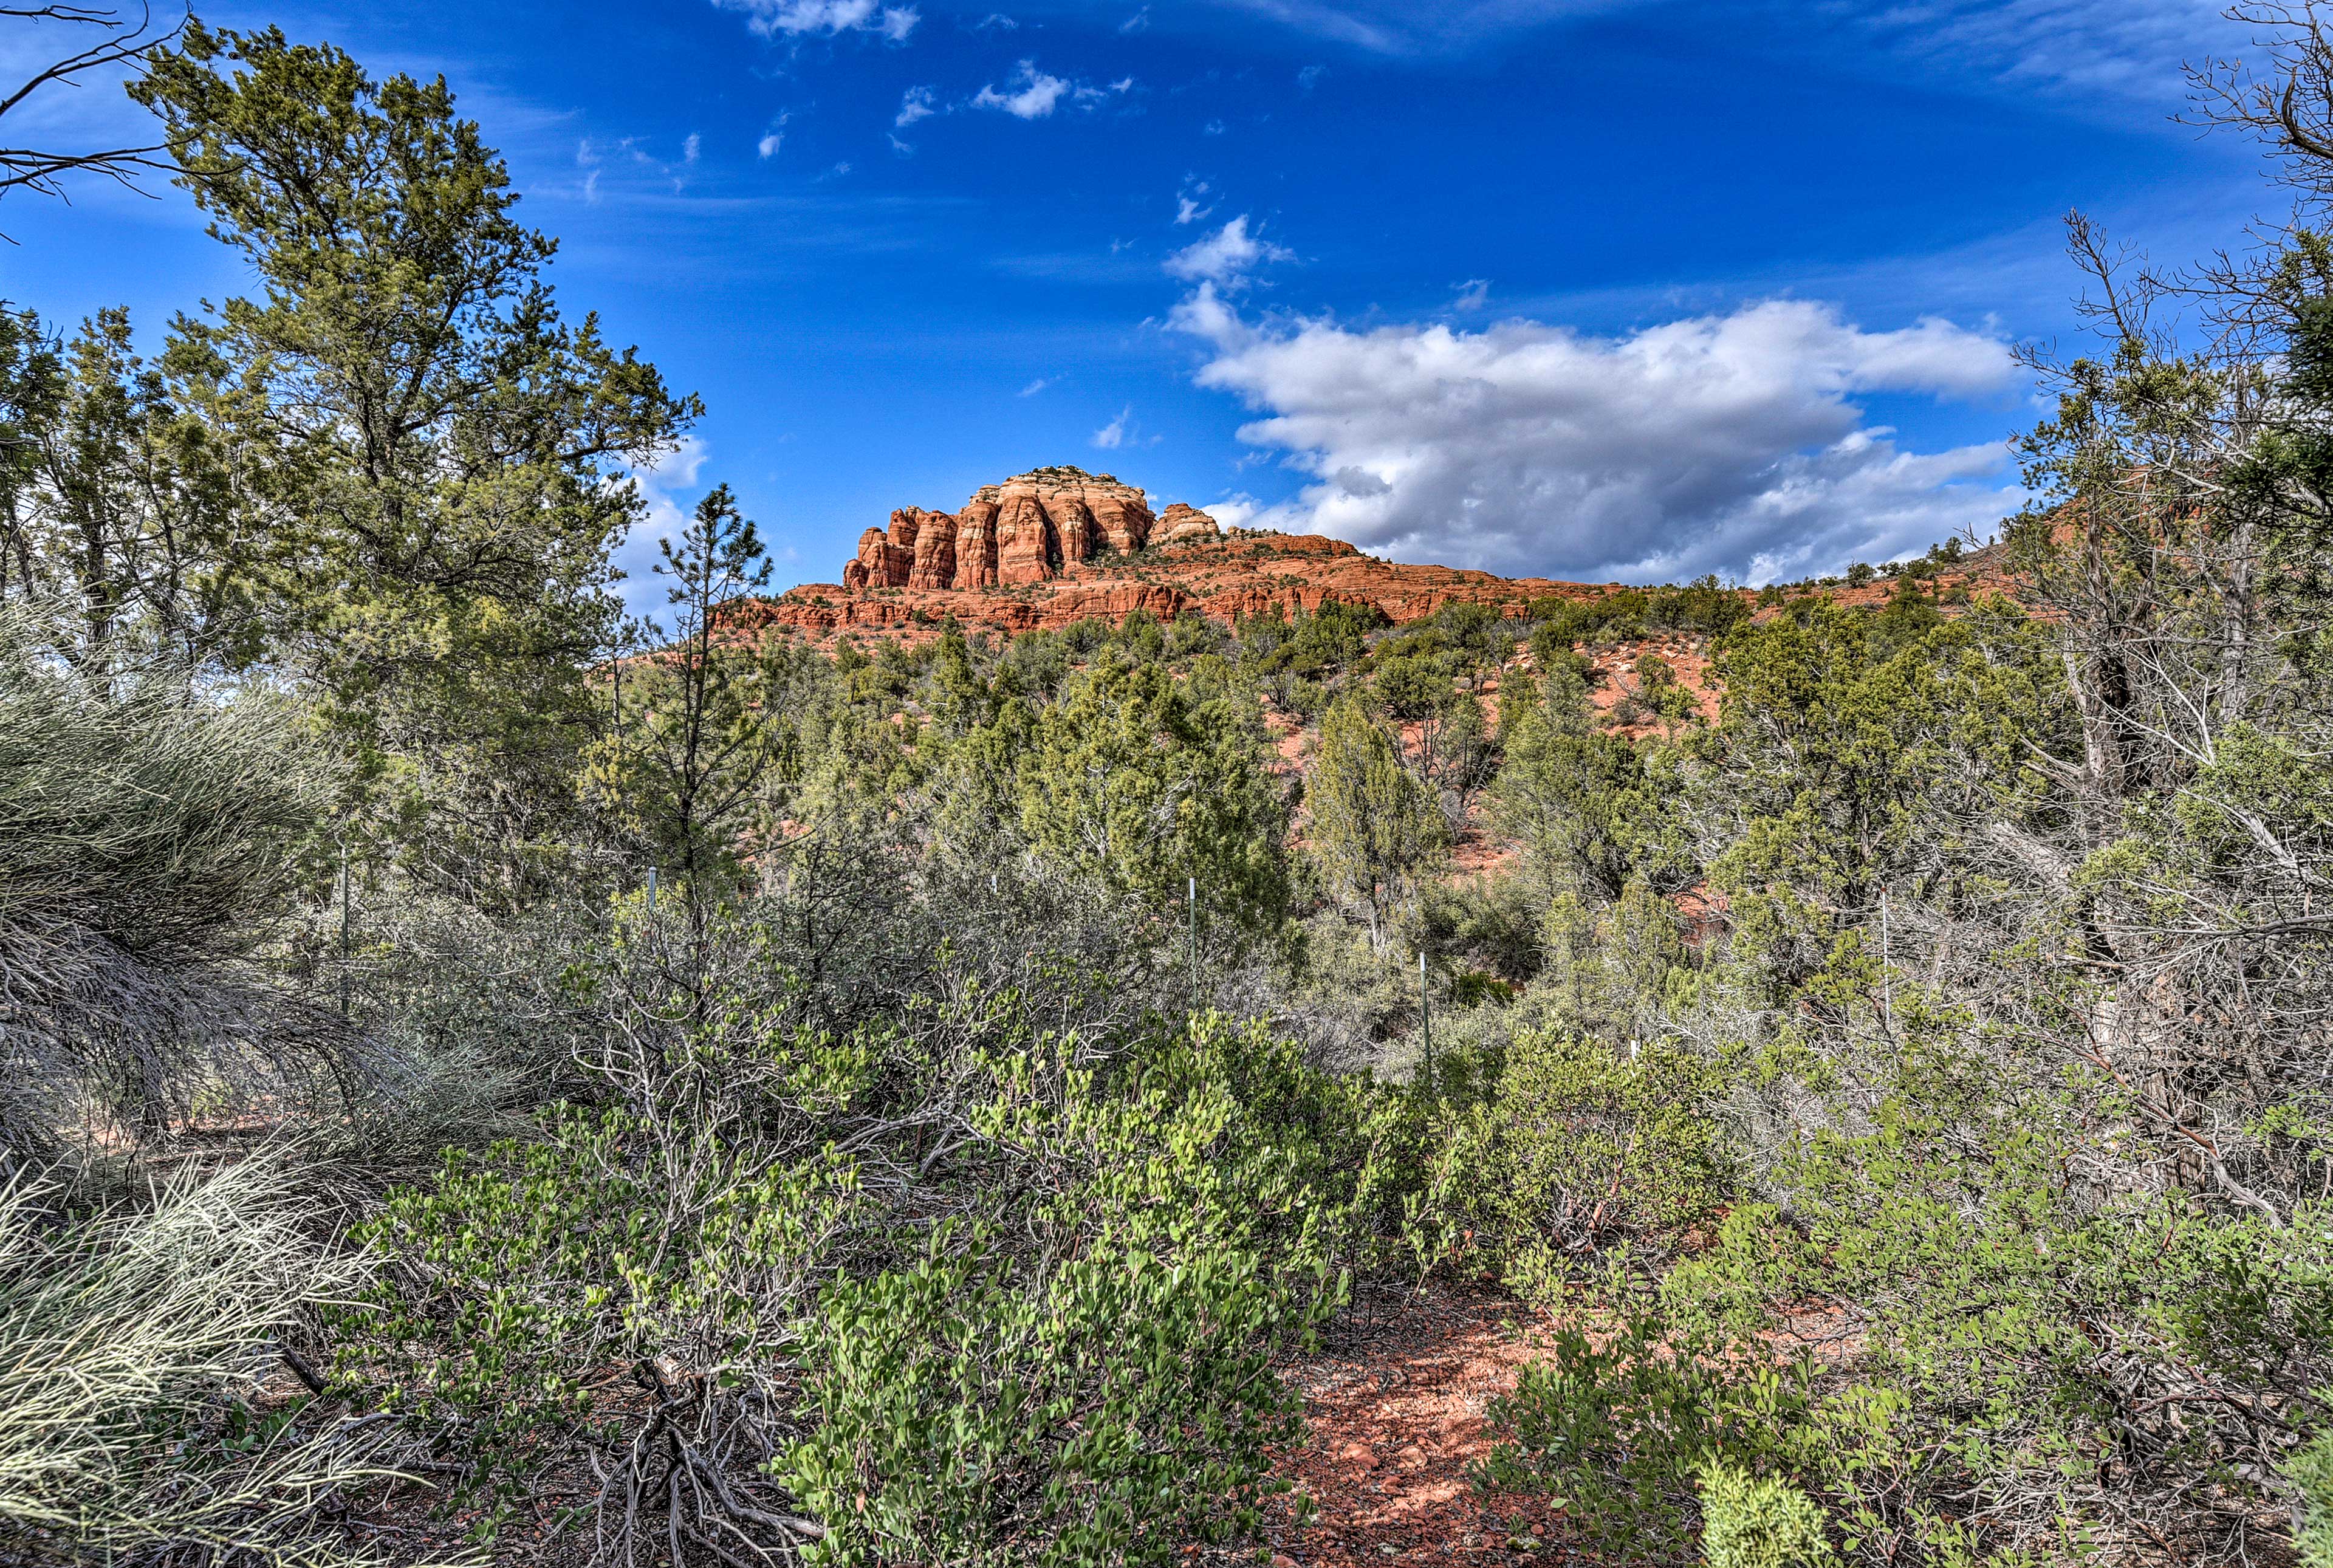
<point x="1396" y="1406"/>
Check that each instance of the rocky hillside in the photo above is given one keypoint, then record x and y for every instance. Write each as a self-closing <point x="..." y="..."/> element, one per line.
<point x="1056" y="545"/>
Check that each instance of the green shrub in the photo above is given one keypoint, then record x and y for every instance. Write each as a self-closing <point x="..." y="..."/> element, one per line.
<point x="1578" y="1145"/>
<point x="1758" y="1522"/>
<point x="2310" y="1472"/>
<point x="941" y="1285"/>
<point x="1622" y="1422"/>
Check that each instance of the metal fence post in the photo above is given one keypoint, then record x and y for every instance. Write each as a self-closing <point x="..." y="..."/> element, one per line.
<point x="1424" y="1013"/>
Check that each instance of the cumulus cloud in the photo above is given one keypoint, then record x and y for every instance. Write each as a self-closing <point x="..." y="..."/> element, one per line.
<point x="1472" y="294"/>
<point x="1112" y="435"/>
<point x="1731" y="443"/>
<point x="915" y="104"/>
<point x="825" y="18"/>
<point x="1037" y="386"/>
<point x="1186" y="205"/>
<point x="1225" y="257"/>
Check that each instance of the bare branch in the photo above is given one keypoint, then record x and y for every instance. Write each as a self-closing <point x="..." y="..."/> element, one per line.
<point x="120" y="43"/>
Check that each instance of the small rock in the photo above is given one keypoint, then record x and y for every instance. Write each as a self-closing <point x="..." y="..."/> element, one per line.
<point x="1282" y="1560"/>
<point x="1538" y="1529"/>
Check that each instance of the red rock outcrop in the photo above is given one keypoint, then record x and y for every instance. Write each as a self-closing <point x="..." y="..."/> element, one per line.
<point x="1025" y="530"/>
<point x="932" y="562"/>
<point x="1181" y="524"/>
<point x="1054" y="546"/>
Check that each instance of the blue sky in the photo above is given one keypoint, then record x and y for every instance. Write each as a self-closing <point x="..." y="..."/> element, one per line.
<point x="1599" y="290"/>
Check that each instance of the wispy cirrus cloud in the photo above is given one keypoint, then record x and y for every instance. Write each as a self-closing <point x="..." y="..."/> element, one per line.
<point x="2113" y="48"/>
<point x="2117" y="48"/>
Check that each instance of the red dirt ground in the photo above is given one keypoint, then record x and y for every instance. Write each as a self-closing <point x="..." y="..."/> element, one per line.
<point x="1396" y="1404"/>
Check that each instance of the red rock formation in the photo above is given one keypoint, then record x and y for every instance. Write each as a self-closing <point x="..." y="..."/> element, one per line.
<point x="899" y="547"/>
<point x="1057" y="545"/>
<point x="1181" y="524"/>
<point x="933" y="566"/>
<point x="1026" y="548"/>
<point x="976" y="543"/>
<point x="1038" y="523"/>
<point x="872" y="569"/>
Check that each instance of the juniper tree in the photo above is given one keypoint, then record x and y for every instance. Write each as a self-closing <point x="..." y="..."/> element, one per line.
<point x="1375" y="828"/>
<point x="427" y="459"/>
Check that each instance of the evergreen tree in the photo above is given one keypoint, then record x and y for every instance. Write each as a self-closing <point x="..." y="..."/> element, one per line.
<point x="683" y="762"/>
<point x="426" y="459"/>
<point x="1375" y="828"/>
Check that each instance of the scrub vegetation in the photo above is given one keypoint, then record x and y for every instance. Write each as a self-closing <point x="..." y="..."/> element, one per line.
<point x="462" y="1050"/>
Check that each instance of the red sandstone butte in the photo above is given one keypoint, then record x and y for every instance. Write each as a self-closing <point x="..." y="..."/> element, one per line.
<point x="1057" y="545"/>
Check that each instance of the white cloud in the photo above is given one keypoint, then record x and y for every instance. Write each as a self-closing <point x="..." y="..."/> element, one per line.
<point x="1213" y="128"/>
<point x="691" y="148"/>
<point x="667" y="489"/>
<point x="2110" y="48"/>
<point x="1404" y="27"/>
<point x="1727" y="444"/>
<point x="1135" y="23"/>
<point x="769" y="144"/>
<point x="1226" y="256"/>
<point x="826" y="18"/>
<point x="1309" y="77"/>
<point x="995" y="21"/>
<point x="915" y="104"/>
<point x="1033" y="96"/>
<point x="1472" y="294"/>
<point x="1112" y="435"/>
<point x="1037" y="386"/>
<point x="1186" y="205"/>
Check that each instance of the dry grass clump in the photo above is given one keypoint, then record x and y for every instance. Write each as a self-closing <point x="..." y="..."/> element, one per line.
<point x="133" y="1350"/>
